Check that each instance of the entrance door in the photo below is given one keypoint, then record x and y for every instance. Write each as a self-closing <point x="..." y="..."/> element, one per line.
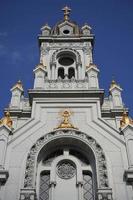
<point x="68" y="165"/>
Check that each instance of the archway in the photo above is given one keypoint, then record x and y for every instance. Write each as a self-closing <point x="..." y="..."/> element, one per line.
<point x="79" y="146"/>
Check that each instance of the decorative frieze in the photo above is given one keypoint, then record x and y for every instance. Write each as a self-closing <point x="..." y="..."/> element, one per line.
<point x="66" y="84"/>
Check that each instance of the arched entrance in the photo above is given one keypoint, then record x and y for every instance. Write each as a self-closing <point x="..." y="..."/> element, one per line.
<point x="68" y="163"/>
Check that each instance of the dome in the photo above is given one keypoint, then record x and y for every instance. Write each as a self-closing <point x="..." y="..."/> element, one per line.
<point x="66" y="27"/>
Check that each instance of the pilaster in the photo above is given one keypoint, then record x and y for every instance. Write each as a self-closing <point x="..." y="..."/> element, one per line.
<point x="40" y="74"/>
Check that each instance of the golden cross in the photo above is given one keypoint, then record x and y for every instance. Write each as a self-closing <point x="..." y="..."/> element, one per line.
<point x="66" y="10"/>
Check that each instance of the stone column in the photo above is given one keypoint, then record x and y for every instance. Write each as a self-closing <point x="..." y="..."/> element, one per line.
<point x="52" y="187"/>
<point x="80" y="190"/>
<point x="79" y="72"/>
<point x="53" y="72"/>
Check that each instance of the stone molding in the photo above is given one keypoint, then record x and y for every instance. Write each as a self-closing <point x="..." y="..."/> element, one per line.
<point x="73" y="51"/>
<point x="101" y="165"/>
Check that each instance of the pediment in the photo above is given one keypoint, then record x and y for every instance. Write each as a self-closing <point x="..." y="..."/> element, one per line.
<point x="66" y="23"/>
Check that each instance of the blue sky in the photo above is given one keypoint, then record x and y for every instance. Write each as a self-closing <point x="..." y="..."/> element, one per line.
<point x="111" y="22"/>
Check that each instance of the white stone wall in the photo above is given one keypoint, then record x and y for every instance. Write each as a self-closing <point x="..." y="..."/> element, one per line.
<point x="87" y="118"/>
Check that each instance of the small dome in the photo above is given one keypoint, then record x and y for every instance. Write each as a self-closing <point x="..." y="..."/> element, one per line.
<point x="66" y="27"/>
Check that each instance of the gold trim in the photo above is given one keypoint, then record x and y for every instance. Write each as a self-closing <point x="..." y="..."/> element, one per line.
<point x="67" y="11"/>
<point x="6" y="120"/>
<point x="126" y="120"/>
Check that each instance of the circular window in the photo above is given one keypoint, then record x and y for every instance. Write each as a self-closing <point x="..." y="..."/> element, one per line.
<point x="66" y="169"/>
<point x="66" y="31"/>
<point x="66" y="61"/>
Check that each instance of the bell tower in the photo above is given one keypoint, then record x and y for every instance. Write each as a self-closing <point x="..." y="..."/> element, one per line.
<point x="66" y="61"/>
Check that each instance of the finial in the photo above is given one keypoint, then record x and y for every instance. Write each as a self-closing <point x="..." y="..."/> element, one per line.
<point x="66" y="10"/>
<point x="65" y="123"/>
<point x="6" y="120"/>
<point x="18" y="85"/>
<point x="113" y="84"/>
<point x="126" y="120"/>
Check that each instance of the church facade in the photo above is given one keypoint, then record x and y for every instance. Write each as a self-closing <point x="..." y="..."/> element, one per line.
<point x="66" y="140"/>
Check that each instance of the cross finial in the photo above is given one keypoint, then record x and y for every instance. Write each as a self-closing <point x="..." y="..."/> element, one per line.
<point x="66" y="10"/>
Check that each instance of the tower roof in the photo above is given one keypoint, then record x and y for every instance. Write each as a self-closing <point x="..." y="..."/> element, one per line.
<point x="66" y="21"/>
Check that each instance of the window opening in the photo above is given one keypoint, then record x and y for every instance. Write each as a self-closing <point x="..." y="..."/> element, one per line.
<point x="66" y="61"/>
<point x="88" y="192"/>
<point x="71" y="73"/>
<point x="61" y="73"/>
<point x="66" y="31"/>
<point x="44" y="185"/>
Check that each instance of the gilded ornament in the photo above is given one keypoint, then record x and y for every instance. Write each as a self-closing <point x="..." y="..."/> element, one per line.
<point x="66" y="123"/>
<point x="66" y="10"/>
<point x="6" y="120"/>
<point x="126" y="120"/>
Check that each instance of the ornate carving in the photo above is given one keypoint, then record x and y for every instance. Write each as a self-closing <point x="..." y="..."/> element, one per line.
<point x="64" y="45"/>
<point x="73" y="51"/>
<point x="66" y="169"/>
<point x="62" y="84"/>
<point x="66" y="123"/>
<point x="100" y="157"/>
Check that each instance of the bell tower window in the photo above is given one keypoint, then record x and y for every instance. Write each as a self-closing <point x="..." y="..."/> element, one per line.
<point x="71" y="72"/>
<point x="66" y="61"/>
<point x="61" y="72"/>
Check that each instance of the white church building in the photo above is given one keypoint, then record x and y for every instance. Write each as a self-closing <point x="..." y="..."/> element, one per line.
<point x="66" y="141"/>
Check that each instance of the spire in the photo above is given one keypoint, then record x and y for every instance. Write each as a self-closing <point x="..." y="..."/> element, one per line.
<point x="66" y="10"/>
<point x="6" y="120"/>
<point x="126" y="120"/>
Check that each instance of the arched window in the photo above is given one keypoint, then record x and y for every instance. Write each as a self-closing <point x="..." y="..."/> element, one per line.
<point x="61" y="73"/>
<point x="71" y="72"/>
